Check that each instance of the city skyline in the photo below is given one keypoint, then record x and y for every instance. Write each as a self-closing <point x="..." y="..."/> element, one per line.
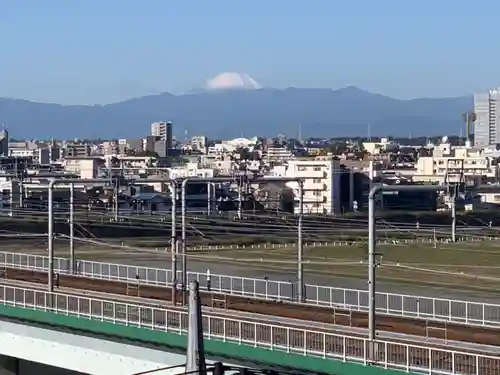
<point x="96" y="53"/>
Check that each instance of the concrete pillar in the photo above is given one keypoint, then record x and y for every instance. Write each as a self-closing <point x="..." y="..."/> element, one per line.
<point x="195" y="356"/>
<point x="9" y="365"/>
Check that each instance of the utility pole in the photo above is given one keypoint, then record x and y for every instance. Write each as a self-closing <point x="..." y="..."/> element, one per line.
<point x="373" y="348"/>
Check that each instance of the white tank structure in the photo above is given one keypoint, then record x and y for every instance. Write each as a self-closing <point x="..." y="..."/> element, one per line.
<point x="232" y="81"/>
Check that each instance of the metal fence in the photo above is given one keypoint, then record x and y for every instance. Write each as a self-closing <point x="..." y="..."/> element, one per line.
<point x="456" y="311"/>
<point x="382" y="242"/>
<point x="259" y="334"/>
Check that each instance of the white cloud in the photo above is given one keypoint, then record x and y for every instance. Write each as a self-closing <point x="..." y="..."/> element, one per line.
<point x="231" y="80"/>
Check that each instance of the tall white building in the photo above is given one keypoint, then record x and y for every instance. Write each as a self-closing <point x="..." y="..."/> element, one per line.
<point x="164" y="131"/>
<point x="321" y="183"/>
<point x="4" y="142"/>
<point x="487" y="124"/>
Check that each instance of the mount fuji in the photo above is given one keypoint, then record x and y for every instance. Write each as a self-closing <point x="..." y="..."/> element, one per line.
<point x="227" y="81"/>
<point x="232" y="81"/>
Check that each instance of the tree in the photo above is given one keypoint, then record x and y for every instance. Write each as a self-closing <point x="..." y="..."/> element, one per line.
<point x="245" y="154"/>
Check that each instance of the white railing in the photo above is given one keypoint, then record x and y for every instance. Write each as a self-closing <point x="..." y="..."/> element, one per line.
<point x="344" y="243"/>
<point x="388" y="354"/>
<point x="473" y="313"/>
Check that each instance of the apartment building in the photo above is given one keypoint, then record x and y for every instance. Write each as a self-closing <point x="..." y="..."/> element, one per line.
<point x="385" y="145"/>
<point x="163" y="130"/>
<point x="278" y="153"/>
<point x="39" y="155"/>
<point x="110" y="148"/>
<point x="87" y="167"/>
<point x="321" y="183"/>
<point x="4" y="142"/>
<point x="199" y="143"/>
<point x="224" y="165"/>
<point x="229" y="146"/>
<point x="74" y="150"/>
<point x="487" y="124"/>
<point x="126" y="145"/>
<point x="191" y="170"/>
<point x="470" y="164"/>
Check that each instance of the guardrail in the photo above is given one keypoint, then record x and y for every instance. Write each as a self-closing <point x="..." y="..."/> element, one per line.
<point x="390" y="355"/>
<point x="456" y="311"/>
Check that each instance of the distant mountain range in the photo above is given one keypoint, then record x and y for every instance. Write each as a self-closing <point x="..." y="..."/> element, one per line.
<point x="234" y="112"/>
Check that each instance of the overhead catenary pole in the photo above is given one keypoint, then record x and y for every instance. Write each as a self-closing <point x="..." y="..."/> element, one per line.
<point x="454" y="218"/>
<point x="72" y="227"/>
<point x="300" y="245"/>
<point x="183" y="241"/>
<point x="240" y="201"/>
<point x="51" y="240"/>
<point x="371" y="249"/>
<point x="116" y="203"/>
<point x="21" y="194"/>
<point x="173" y="242"/>
<point x="209" y="195"/>
<point x="71" y="181"/>
<point x="184" y="183"/>
<point x="300" y="249"/>
<point x="52" y="184"/>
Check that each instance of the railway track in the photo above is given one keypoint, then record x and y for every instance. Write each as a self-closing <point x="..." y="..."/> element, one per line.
<point x="416" y="327"/>
<point x="442" y="360"/>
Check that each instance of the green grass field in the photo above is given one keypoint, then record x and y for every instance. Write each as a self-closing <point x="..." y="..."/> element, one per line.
<point x="467" y="265"/>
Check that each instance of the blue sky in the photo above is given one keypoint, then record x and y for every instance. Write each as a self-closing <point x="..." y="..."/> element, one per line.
<point x="89" y="51"/>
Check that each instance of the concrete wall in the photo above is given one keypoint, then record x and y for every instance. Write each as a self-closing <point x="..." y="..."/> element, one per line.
<point x="15" y="366"/>
<point x="79" y="353"/>
<point x="9" y="365"/>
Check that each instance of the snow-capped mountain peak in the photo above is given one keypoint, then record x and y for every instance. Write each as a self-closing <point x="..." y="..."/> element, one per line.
<point x="232" y="80"/>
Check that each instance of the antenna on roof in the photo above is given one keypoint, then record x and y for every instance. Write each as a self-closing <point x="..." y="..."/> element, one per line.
<point x="469" y="119"/>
